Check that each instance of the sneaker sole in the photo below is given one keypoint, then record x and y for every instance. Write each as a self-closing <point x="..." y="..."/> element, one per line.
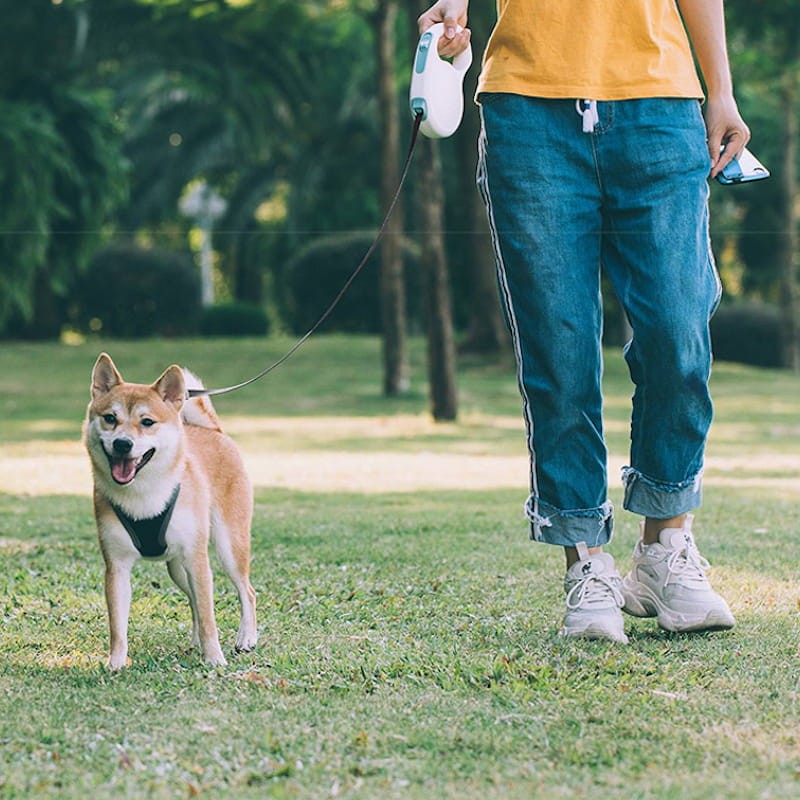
<point x="638" y="604"/>
<point x="594" y="633"/>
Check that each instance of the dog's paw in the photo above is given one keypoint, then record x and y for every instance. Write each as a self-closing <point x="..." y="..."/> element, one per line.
<point x="215" y="659"/>
<point x="115" y="664"/>
<point x="246" y="641"/>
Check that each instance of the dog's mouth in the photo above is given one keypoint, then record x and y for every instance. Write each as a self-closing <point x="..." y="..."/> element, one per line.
<point x="124" y="470"/>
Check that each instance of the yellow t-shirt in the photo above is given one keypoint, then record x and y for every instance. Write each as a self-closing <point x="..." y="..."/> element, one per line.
<point x="593" y="49"/>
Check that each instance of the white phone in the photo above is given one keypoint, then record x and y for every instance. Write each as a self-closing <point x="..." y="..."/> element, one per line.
<point x="743" y="169"/>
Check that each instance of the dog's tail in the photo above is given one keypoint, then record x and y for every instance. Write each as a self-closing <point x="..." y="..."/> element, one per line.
<point x="199" y="410"/>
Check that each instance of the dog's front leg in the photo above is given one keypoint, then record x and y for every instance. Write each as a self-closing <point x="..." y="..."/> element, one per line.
<point x="118" y="603"/>
<point x="201" y="595"/>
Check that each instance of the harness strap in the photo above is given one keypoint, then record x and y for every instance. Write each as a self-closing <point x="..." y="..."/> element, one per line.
<point x="149" y="535"/>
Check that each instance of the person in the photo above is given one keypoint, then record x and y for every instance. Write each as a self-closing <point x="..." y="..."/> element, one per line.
<point x="594" y="151"/>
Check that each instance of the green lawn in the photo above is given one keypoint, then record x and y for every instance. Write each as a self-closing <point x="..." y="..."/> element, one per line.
<point x="408" y="628"/>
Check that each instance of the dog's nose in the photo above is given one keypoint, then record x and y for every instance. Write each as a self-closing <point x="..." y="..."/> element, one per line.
<point x="122" y="446"/>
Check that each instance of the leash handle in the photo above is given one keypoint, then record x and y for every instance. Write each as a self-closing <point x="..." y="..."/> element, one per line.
<point x="437" y="85"/>
<point x="329" y="310"/>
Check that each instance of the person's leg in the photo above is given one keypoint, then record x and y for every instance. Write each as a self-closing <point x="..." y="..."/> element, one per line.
<point x="654" y="162"/>
<point x="537" y="177"/>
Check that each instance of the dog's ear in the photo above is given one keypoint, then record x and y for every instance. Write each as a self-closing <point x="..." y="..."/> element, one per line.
<point x="171" y="386"/>
<point x="105" y="376"/>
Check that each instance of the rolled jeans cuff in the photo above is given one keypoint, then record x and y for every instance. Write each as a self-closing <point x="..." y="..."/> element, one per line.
<point x="659" y="500"/>
<point x="567" y="528"/>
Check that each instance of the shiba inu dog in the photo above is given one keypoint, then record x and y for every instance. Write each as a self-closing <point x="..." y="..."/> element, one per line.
<point x="167" y="481"/>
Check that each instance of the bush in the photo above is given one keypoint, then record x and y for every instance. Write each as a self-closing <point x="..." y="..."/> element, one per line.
<point x="747" y="333"/>
<point x="132" y="292"/>
<point x="234" y="319"/>
<point x="317" y="273"/>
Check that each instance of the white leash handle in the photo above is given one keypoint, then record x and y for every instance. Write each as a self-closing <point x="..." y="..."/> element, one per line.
<point x="437" y="85"/>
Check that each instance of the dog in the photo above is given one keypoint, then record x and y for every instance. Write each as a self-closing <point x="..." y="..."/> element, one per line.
<point x="167" y="481"/>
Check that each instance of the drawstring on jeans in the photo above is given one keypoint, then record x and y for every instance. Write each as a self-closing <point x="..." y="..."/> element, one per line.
<point x="588" y="110"/>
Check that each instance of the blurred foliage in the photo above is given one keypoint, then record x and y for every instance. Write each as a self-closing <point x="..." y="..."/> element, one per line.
<point x="749" y="333"/>
<point x="317" y="272"/>
<point x="234" y="319"/>
<point x="130" y="292"/>
<point x="111" y="108"/>
<point x="61" y="169"/>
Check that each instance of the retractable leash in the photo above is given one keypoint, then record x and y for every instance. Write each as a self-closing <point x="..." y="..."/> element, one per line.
<point x="437" y="104"/>
<point x="436" y="85"/>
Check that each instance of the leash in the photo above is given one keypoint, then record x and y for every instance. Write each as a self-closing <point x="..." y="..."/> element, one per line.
<point x="418" y="117"/>
<point x="437" y="105"/>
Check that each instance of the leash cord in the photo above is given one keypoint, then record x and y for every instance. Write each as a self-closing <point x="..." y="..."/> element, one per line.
<point x="329" y="310"/>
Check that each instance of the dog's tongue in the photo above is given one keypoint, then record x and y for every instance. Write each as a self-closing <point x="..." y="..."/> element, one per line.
<point x="123" y="469"/>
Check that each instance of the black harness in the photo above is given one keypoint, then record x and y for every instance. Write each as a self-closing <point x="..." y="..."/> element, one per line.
<point x="149" y="535"/>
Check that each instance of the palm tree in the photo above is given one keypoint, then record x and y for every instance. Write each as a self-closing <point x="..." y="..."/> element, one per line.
<point x="61" y="173"/>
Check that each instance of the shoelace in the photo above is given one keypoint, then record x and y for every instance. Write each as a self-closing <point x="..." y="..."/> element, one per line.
<point x="589" y="592"/>
<point x="687" y="563"/>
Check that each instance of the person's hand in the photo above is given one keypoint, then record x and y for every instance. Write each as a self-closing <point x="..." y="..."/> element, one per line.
<point x="453" y="13"/>
<point x="725" y="128"/>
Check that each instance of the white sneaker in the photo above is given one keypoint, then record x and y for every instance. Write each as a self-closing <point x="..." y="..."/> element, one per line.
<point x="594" y="598"/>
<point x="668" y="581"/>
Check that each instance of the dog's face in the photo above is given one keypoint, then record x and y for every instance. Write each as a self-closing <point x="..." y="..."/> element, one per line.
<point x="133" y="429"/>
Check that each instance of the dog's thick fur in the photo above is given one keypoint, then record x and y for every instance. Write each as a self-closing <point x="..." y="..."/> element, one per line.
<point x="143" y="441"/>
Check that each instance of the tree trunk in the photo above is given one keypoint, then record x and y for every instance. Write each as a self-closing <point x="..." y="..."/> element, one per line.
<point x="248" y="275"/>
<point x="45" y="322"/>
<point x="486" y="329"/>
<point x="392" y="284"/>
<point x="438" y="305"/>
<point x="788" y="259"/>
<point x="429" y="205"/>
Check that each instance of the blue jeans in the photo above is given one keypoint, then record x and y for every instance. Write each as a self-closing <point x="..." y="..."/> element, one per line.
<point x="632" y="196"/>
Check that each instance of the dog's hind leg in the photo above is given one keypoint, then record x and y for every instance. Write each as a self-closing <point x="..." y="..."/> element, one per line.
<point x="201" y="594"/>
<point x="181" y="579"/>
<point x="236" y="563"/>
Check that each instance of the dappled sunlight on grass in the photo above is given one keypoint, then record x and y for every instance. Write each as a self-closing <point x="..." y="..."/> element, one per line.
<point x="755" y="593"/>
<point x="376" y="472"/>
<point x="406" y="452"/>
<point x="13" y="547"/>
<point x="42" y="473"/>
<point x="408" y="628"/>
<point x="769" y="743"/>
<point x="73" y="660"/>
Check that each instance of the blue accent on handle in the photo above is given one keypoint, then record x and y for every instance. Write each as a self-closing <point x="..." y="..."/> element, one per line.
<point x="418" y="105"/>
<point x="422" y="51"/>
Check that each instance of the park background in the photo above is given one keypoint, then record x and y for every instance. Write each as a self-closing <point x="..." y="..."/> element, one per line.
<point x="173" y="168"/>
<point x="193" y="182"/>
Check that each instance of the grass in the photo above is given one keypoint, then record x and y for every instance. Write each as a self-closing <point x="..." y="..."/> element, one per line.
<point x="408" y="628"/>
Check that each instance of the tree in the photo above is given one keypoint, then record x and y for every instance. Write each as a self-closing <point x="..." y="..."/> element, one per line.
<point x="433" y="261"/>
<point x="441" y="351"/>
<point x="392" y="291"/>
<point x="61" y="171"/>
<point x="766" y="43"/>
<point x="486" y="330"/>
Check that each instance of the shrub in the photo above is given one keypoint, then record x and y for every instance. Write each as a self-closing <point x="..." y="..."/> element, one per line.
<point x="747" y="333"/>
<point x="234" y="319"/>
<point x="133" y="292"/>
<point x="317" y="273"/>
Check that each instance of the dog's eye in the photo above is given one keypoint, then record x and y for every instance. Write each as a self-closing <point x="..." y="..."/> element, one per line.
<point x="148" y="423"/>
<point x="109" y="419"/>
